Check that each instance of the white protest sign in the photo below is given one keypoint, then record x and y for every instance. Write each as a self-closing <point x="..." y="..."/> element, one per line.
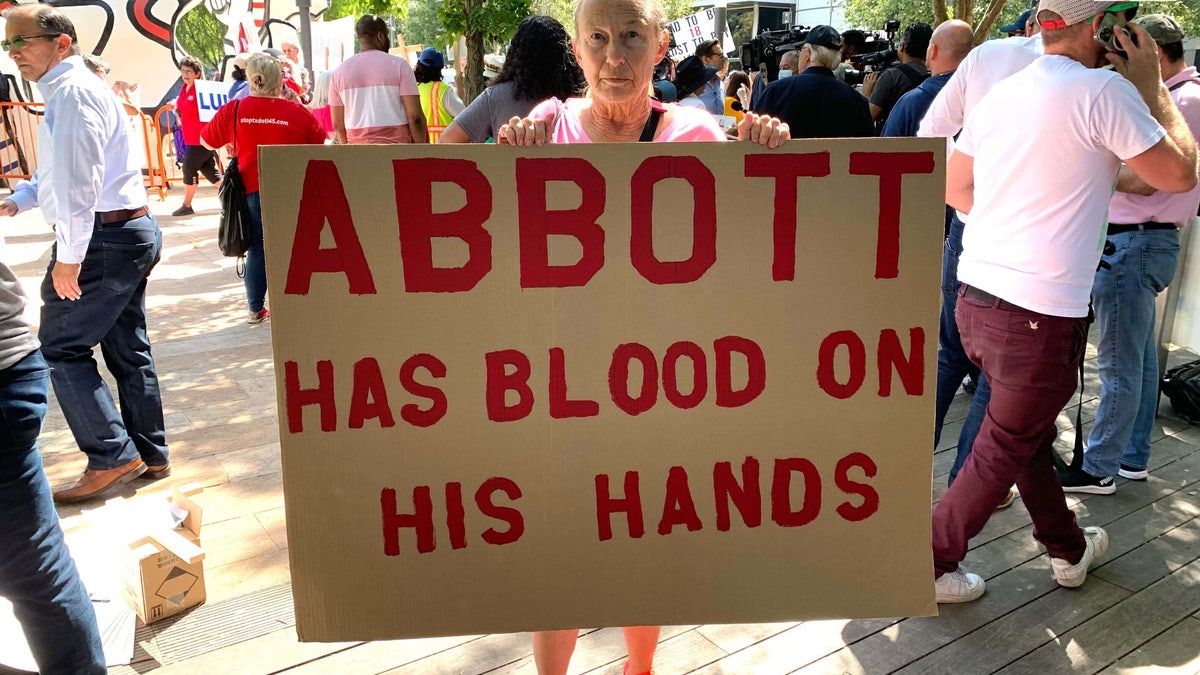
<point x="210" y="96"/>
<point x="690" y="31"/>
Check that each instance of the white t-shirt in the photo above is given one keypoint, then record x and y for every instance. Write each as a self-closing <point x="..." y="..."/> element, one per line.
<point x="982" y="69"/>
<point x="1047" y="143"/>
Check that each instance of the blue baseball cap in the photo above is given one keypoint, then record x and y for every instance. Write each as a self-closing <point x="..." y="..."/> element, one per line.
<point x="431" y="58"/>
<point x="1017" y="25"/>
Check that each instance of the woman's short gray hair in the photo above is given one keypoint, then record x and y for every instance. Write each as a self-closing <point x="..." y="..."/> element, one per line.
<point x="653" y="11"/>
<point x="264" y="74"/>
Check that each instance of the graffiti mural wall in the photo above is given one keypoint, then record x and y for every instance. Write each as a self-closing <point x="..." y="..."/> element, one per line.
<point x="137" y="37"/>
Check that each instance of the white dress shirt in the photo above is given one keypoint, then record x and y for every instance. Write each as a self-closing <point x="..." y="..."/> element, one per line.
<point x="84" y="160"/>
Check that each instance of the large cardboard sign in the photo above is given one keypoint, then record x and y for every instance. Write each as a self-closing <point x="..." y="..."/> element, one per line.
<point x="604" y="385"/>
<point x="691" y="30"/>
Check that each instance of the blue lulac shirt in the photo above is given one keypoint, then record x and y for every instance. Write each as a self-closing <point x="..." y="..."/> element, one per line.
<point x="906" y="116"/>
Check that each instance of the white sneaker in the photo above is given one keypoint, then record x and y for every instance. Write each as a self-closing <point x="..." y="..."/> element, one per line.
<point x="1008" y="499"/>
<point x="1073" y="576"/>
<point x="958" y="586"/>
<point x="1129" y="473"/>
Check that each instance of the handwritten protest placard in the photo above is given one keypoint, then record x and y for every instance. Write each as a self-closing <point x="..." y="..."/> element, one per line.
<point x="604" y="385"/>
<point x="691" y="30"/>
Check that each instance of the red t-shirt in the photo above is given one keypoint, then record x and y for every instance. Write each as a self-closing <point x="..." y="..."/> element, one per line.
<point x="188" y="109"/>
<point x="261" y="121"/>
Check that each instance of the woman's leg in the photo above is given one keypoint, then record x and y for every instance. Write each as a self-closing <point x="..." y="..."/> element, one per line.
<point x="552" y="650"/>
<point x="641" y="642"/>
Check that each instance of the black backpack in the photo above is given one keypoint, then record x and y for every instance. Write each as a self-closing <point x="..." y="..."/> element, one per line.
<point x="915" y="78"/>
<point x="1181" y="384"/>
<point x="233" y="235"/>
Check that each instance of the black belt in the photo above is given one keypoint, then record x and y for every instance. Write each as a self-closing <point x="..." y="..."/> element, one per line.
<point x="120" y="215"/>
<point x="977" y="294"/>
<point x="1120" y="228"/>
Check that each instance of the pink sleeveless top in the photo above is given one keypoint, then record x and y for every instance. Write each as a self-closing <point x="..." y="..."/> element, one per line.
<point x="687" y="124"/>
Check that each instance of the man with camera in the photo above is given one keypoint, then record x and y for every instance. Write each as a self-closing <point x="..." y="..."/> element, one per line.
<point x="884" y="89"/>
<point x="814" y="103"/>
<point x="1140" y="261"/>
<point x="853" y="44"/>
<point x="1035" y="168"/>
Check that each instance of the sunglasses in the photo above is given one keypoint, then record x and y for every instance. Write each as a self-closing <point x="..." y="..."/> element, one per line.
<point x="21" y="41"/>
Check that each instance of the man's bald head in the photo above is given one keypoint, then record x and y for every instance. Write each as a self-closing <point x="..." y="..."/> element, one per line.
<point x="949" y="46"/>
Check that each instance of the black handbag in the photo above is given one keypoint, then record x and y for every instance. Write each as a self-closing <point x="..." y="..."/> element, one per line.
<point x="233" y="235"/>
<point x="1181" y="384"/>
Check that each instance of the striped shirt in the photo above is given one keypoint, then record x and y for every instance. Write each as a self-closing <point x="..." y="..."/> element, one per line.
<point x="369" y="86"/>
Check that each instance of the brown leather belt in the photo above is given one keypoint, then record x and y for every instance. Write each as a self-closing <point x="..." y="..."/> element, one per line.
<point x="972" y="292"/>
<point x="120" y="215"/>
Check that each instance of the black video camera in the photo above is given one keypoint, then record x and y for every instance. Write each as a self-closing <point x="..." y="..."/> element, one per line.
<point x="878" y="54"/>
<point x="764" y="50"/>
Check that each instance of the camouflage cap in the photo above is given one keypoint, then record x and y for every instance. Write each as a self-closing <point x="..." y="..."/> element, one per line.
<point x="1161" y="27"/>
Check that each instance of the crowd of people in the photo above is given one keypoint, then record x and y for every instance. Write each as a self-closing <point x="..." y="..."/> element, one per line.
<point x="1038" y="133"/>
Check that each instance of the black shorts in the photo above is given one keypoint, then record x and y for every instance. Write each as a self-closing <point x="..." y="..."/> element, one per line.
<point x="198" y="159"/>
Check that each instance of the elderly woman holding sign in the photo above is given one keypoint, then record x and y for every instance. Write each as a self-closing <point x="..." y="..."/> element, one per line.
<point x="618" y="43"/>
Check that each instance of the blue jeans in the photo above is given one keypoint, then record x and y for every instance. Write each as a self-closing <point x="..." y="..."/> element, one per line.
<point x="953" y="363"/>
<point x="36" y="571"/>
<point x="1143" y="264"/>
<point x="256" y="260"/>
<point x="111" y="313"/>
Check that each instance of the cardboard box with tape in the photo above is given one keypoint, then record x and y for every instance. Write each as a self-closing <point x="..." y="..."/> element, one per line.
<point x="161" y="568"/>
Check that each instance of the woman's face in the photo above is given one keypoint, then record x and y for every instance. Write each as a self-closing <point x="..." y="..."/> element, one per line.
<point x="617" y="48"/>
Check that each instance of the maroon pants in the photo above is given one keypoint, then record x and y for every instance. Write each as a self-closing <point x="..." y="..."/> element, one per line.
<point x="1032" y="362"/>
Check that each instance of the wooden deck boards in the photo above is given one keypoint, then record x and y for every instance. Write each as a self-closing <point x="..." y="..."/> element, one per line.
<point x="1140" y="610"/>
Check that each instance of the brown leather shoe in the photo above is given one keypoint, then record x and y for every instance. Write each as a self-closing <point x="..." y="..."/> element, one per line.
<point x="156" y="472"/>
<point x="95" y="482"/>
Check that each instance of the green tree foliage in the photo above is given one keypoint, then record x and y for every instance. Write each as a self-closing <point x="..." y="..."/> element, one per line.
<point x="1186" y="12"/>
<point x="984" y="16"/>
<point x="356" y="8"/>
<point x="480" y="22"/>
<point x="988" y="15"/>
<point x="870" y="14"/>
<point x="564" y="10"/>
<point x="203" y="36"/>
<point x="421" y="25"/>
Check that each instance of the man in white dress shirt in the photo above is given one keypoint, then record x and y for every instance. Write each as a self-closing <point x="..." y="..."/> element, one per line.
<point x="89" y="186"/>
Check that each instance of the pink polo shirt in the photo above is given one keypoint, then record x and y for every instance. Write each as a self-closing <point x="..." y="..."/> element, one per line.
<point x="1165" y="207"/>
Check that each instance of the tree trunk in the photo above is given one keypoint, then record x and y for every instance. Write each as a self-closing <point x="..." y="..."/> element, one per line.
<point x="940" y="12"/>
<point x="473" y="83"/>
<point x="964" y="10"/>
<point x="988" y="20"/>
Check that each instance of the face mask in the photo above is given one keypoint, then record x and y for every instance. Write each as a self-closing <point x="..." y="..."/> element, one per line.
<point x="784" y="73"/>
